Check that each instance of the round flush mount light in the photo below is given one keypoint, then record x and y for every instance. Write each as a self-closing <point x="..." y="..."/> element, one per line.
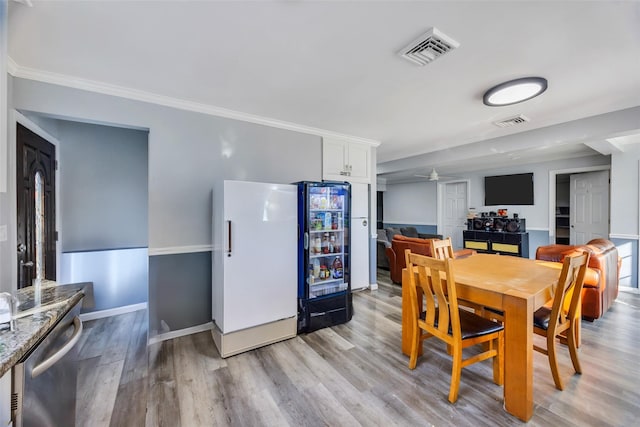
<point x="514" y="91"/>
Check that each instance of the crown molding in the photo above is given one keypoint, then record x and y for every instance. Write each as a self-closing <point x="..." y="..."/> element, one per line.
<point x="19" y="71"/>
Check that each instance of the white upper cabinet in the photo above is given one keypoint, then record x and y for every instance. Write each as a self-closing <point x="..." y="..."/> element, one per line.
<point x="345" y="161"/>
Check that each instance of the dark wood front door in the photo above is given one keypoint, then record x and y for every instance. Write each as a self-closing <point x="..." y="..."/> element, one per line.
<point x="36" y="190"/>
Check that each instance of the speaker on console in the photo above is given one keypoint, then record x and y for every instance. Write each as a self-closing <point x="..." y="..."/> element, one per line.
<point x="511" y="225"/>
<point x="515" y="225"/>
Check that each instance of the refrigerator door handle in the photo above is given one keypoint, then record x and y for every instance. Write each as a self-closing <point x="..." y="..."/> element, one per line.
<point x="228" y="250"/>
<point x="306" y="240"/>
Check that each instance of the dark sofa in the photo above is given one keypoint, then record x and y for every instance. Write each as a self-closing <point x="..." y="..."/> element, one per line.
<point x="385" y="236"/>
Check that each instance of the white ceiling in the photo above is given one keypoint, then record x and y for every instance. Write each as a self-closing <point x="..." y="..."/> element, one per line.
<point x="334" y="65"/>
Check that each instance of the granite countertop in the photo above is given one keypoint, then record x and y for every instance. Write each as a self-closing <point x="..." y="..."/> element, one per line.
<point x="33" y="322"/>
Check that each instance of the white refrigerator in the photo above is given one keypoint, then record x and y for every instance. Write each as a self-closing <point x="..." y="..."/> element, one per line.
<point x="254" y="265"/>
<point x="359" y="236"/>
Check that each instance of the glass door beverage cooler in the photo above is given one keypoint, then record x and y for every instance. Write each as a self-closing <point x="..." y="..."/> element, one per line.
<point x="324" y="290"/>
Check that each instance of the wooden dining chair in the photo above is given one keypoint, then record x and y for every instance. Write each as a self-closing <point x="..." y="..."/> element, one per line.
<point x="442" y="248"/>
<point x="434" y="280"/>
<point x="564" y="314"/>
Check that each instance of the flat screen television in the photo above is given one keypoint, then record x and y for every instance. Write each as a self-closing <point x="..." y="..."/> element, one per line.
<point x="514" y="189"/>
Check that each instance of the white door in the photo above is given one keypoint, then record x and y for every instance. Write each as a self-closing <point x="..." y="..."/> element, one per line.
<point x="260" y="265"/>
<point x="454" y="216"/>
<point x="589" y="206"/>
<point x="359" y="236"/>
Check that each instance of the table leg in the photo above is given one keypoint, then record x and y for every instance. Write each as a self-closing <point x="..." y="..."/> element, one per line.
<point x="518" y="369"/>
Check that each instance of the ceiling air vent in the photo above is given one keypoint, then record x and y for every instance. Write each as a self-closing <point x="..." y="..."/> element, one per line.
<point x="512" y="121"/>
<point x="428" y="47"/>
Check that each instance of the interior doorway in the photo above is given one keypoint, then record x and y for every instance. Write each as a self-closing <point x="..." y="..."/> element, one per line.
<point x="452" y="213"/>
<point x="589" y="208"/>
<point x="580" y="197"/>
<point x="36" y="207"/>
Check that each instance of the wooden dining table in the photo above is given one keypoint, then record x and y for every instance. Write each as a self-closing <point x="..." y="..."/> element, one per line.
<point x="515" y="286"/>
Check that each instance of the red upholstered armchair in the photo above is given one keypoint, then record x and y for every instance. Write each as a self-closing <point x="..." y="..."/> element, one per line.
<point x="395" y="253"/>
<point x="601" y="282"/>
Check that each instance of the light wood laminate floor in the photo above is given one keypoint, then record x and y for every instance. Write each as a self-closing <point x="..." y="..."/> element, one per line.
<point x="348" y="375"/>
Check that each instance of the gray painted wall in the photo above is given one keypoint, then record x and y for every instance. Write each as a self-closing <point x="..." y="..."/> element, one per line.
<point x="103" y="183"/>
<point x="624" y="191"/>
<point x="188" y="152"/>
<point x="416" y="203"/>
<point x="625" y="215"/>
<point x="537" y="215"/>
<point x="411" y="203"/>
<point x="181" y="293"/>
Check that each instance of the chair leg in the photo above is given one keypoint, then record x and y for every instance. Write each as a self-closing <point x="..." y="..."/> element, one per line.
<point x="573" y="351"/>
<point x="498" y="360"/>
<point x="553" y="362"/>
<point x="455" y="374"/>
<point x="413" y="359"/>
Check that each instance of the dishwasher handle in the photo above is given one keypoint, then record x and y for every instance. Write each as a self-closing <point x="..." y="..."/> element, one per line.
<point x="51" y="360"/>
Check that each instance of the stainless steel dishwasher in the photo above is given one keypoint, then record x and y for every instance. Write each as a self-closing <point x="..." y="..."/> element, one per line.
<point x="44" y="381"/>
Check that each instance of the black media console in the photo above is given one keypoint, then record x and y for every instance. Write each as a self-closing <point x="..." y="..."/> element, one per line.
<point x="484" y="237"/>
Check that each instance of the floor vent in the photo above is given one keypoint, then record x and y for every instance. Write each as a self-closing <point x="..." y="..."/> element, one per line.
<point x="428" y="47"/>
<point x="512" y="121"/>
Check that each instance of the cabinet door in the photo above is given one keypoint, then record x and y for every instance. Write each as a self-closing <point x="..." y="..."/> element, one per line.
<point x="333" y="159"/>
<point x="358" y="161"/>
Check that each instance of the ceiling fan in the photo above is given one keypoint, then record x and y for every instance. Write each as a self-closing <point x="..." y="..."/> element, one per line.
<point x="434" y="176"/>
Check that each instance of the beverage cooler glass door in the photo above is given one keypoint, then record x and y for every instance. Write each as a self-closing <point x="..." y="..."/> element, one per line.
<point x="327" y="216"/>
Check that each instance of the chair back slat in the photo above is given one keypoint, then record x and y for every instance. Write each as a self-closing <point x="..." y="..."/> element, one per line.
<point x="424" y="282"/>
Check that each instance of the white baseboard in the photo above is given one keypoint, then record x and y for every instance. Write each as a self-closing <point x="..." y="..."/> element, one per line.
<point x="369" y="287"/>
<point x="85" y="317"/>
<point x="176" y="250"/>
<point x="624" y="236"/>
<point x="629" y="290"/>
<point x="180" y="333"/>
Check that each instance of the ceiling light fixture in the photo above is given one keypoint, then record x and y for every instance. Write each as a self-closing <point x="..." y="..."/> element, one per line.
<point x="514" y="91"/>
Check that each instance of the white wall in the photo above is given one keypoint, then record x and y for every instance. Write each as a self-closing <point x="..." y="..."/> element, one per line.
<point x="411" y="203"/>
<point x="416" y="203"/>
<point x="624" y="192"/>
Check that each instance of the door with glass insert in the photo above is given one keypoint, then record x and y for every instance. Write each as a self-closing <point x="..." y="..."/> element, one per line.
<point x="35" y="189"/>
